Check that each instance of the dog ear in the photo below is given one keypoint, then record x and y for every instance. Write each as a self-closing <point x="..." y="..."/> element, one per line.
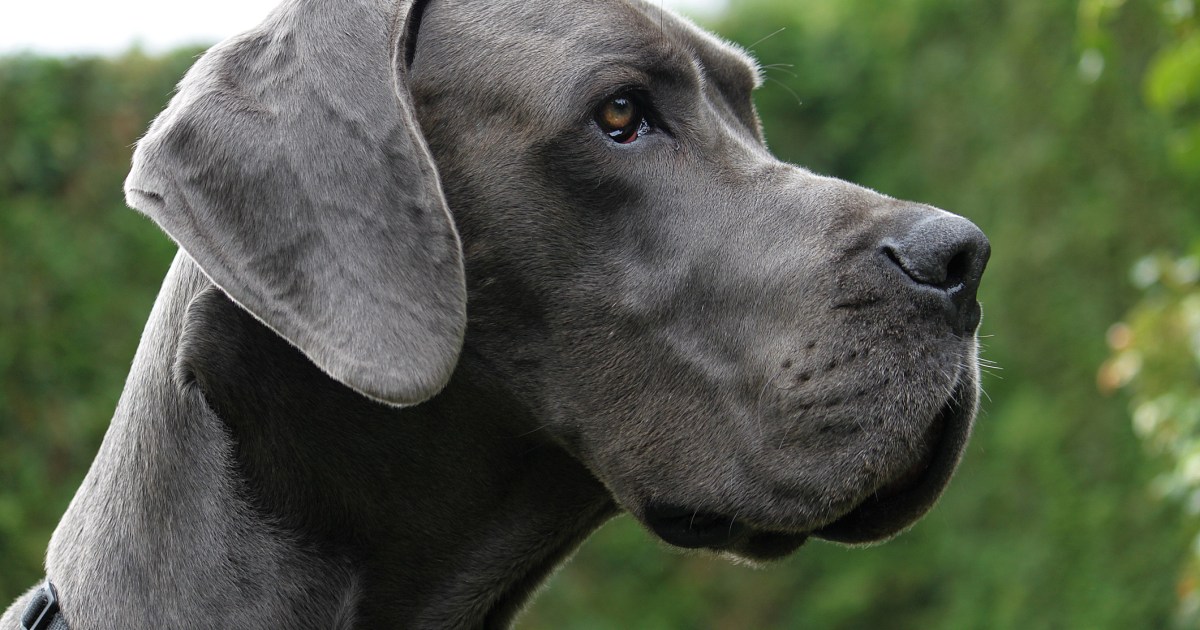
<point x="290" y="167"/>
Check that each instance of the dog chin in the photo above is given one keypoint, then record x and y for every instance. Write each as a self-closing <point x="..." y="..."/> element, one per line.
<point x="764" y="546"/>
<point x="896" y="506"/>
<point x="882" y="515"/>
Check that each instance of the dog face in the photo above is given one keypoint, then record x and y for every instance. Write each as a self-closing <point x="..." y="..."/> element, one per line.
<point x="744" y="352"/>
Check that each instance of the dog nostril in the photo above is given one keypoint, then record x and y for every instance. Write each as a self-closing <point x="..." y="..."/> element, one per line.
<point x="957" y="270"/>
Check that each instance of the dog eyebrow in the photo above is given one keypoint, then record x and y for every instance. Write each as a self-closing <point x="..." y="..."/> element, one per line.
<point x="652" y="73"/>
<point x="645" y="68"/>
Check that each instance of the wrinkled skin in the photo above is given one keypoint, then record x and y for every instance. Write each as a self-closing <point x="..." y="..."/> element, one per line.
<point x="738" y="352"/>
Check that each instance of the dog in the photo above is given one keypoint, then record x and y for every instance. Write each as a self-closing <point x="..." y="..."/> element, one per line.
<point x="460" y="281"/>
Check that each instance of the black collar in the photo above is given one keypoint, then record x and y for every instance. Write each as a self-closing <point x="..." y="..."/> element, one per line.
<point x="43" y="612"/>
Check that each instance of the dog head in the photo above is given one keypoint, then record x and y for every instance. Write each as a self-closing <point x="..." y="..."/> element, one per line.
<point x="744" y="353"/>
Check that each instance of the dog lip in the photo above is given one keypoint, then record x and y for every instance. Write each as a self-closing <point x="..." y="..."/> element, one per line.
<point x="886" y="512"/>
<point x="902" y="502"/>
<point x="692" y="529"/>
<point x="767" y="545"/>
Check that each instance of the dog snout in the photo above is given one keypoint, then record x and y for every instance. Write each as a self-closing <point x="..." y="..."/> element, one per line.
<point x="947" y="254"/>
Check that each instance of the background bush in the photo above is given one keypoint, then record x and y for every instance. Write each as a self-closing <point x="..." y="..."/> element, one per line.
<point x="1066" y="129"/>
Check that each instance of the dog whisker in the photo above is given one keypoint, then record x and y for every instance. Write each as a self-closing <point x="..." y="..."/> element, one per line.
<point x="799" y="101"/>
<point x="769" y="36"/>
<point x="781" y="68"/>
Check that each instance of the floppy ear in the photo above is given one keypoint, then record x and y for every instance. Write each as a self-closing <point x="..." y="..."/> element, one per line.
<point x="290" y="167"/>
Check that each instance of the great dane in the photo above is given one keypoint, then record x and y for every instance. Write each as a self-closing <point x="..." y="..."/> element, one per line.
<point x="460" y="281"/>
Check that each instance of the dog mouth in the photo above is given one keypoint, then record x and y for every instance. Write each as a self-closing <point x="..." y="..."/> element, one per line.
<point x="888" y="511"/>
<point x="689" y="529"/>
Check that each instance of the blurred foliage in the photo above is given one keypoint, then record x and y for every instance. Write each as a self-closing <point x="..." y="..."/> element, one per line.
<point x="1027" y="116"/>
<point x="1156" y="351"/>
<point x="1173" y="84"/>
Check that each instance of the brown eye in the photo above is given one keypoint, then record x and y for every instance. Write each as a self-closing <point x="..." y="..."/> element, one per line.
<point x="621" y="119"/>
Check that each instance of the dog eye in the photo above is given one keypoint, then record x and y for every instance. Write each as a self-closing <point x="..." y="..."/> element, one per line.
<point x="621" y="119"/>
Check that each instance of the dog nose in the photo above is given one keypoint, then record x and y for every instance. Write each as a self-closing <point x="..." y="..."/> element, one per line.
<point x="946" y="253"/>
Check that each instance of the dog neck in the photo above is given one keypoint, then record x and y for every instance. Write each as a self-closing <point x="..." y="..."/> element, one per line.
<point x="238" y="483"/>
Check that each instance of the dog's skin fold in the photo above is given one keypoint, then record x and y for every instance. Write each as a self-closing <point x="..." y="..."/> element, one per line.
<point x="432" y="323"/>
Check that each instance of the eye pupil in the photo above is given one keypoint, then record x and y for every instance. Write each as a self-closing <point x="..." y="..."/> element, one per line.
<point x="618" y="113"/>
<point x="621" y="119"/>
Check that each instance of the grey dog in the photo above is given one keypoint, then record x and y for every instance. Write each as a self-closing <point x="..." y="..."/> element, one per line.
<point x="460" y="281"/>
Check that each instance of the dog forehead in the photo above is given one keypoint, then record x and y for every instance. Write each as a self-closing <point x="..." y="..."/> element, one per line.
<point x="527" y="46"/>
